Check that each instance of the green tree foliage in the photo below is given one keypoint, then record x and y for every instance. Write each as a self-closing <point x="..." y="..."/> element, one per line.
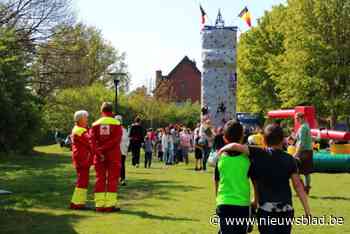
<point x="258" y="49"/>
<point x="298" y="54"/>
<point x="43" y="51"/>
<point x="59" y="112"/>
<point x="76" y="56"/>
<point x="20" y="119"/>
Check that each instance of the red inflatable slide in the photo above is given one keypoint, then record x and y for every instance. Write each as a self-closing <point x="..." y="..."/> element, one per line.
<point x="310" y="117"/>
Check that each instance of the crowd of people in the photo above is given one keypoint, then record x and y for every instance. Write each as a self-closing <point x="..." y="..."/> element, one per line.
<point x="106" y="145"/>
<point x="263" y="160"/>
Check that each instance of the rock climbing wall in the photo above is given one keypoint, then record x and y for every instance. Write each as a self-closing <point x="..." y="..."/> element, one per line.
<point x="219" y="77"/>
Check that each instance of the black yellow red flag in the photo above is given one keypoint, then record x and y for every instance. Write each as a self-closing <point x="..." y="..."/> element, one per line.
<point x="246" y="16"/>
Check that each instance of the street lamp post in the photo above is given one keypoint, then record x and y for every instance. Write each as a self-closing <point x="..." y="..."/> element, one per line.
<point x="116" y="81"/>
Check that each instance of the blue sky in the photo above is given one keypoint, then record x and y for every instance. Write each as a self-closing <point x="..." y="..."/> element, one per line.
<point x="157" y="34"/>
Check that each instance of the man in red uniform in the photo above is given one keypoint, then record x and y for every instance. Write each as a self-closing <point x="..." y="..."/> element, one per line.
<point x="82" y="158"/>
<point x="106" y="134"/>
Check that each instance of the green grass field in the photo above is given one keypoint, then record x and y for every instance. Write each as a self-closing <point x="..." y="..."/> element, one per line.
<point x="159" y="200"/>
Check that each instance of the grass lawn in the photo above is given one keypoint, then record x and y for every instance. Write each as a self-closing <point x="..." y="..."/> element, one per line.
<point x="159" y="200"/>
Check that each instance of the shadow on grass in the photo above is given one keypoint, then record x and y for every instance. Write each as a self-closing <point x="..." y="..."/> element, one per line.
<point x="36" y="160"/>
<point x="42" y="179"/>
<point x="47" y="180"/>
<point x="139" y="173"/>
<point x="28" y="222"/>
<point x="334" y="198"/>
<point x="139" y="189"/>
<point x="146" y="215"/>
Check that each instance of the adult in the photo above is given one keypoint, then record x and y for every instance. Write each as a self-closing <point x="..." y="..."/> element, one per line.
<point x="167" y="144"/>
<point x="82" y="155"/>
<point x="153" y="136"/>
<point x="106" y="135"/>
<point x="124" y="146"/>
<point x="304" y="151"/>
<point x="198" y="149"/>
<point x="205" y="140"/>
<point x="159" y="144"/>
<point x="185" y="144"/>
<point x="177" y="146"/>
<point x="136" y="135"/>
<point x="218" y="139"/>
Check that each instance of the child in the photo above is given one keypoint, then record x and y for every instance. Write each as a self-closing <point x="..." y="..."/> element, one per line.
<point x="148" y="146"/>
<point x="82" y="159"/>
<point x="271" y="170"/>
<point x="291" y="149"/>
<point x="232" y="183"/>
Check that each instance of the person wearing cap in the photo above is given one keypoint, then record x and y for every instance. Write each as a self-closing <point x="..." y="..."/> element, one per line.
<point x="82" y="159"/>
<point x="124" y="146"/>
<point x="106" y="135"/>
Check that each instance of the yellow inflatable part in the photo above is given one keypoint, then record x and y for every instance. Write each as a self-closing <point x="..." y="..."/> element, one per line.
<point x="340" y="149"/>
<point x="291" y="150"/>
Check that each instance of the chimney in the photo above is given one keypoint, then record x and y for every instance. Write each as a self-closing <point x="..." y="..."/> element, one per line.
<point x="159" y="77"/>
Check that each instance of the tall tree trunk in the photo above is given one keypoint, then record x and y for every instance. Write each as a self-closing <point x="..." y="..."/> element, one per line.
<point x="334" y="118"/>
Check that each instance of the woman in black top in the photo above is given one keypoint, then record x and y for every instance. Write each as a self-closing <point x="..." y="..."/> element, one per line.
<point x="137" y="136"/>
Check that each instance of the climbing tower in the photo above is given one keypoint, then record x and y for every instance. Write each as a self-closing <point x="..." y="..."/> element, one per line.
<point x="219" y="77"/>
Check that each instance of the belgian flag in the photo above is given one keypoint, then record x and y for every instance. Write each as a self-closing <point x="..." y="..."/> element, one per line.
<point x="246" y="16"/>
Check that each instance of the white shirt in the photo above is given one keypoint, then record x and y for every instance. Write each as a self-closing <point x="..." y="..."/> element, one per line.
<point x="124" y="145"/>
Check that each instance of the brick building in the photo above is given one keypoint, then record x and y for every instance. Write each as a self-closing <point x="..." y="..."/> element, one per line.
<point x="182" y="84"/>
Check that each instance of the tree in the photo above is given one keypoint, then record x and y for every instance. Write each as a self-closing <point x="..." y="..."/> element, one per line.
<point x="258" y="49"/>
<point x="20" y="119"/>
<point x="317" y="55"/>
<point x="33" y="20"/>
<point x="59" y="111"/>
<point x="76" y="56"/>
<point x="305" y="62"/>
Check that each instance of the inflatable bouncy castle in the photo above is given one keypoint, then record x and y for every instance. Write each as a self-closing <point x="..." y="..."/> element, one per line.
<point x="337" y="160"/>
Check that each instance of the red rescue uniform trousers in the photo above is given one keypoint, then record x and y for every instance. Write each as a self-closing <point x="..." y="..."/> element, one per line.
<point x="107" y="172"/>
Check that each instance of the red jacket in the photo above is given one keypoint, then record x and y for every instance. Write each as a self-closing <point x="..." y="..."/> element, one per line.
<point x="106" y="134"/>
<point x="81" y="147"/>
